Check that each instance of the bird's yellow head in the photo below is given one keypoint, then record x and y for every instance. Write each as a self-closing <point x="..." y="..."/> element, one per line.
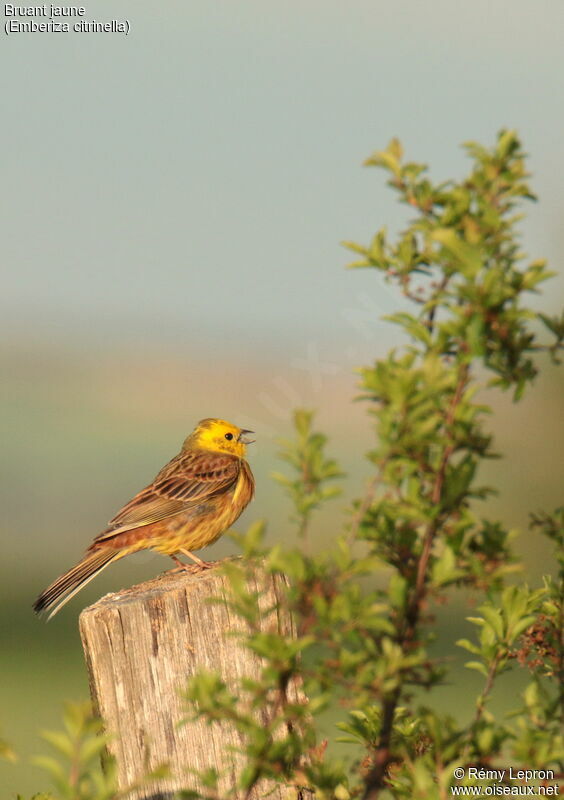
<point x="219" y="436"/>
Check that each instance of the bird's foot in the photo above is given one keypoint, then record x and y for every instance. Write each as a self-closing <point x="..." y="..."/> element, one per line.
<point x="182" y="567"/>
<point x="198" y="561"/>
<point x="199" y="566"/>
<point x="191" y="568"/>
<point x="194" y="569"/>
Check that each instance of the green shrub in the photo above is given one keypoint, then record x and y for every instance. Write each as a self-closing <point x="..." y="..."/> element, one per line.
<point x="362" y="646"/>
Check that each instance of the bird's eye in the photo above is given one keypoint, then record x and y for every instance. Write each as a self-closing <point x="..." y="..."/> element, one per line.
<point x="229" y="436"/>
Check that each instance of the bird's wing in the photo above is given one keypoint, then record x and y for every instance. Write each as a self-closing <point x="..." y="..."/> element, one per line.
<point x="186" y="481"/>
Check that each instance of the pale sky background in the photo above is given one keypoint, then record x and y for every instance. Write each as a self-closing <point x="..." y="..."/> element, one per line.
<point x="173" y="206"/>
<point x="189" y="184"/>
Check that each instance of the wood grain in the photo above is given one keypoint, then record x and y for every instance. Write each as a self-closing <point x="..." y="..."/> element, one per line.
<point x="141" y="647"/>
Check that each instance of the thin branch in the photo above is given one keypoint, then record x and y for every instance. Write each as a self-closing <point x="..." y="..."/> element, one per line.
<point x="440" y="289"/>
<point x="375" y="779"/>
<point x="436" y="494"/>
<point x="492" y="672"/>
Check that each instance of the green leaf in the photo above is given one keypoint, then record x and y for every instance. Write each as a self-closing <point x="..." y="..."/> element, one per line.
<point x="356" y="248"/>
<point x="397" y="591"/>
<point x="468" y="645"/>
<point x="60" y="741"/>
<point x="444" y="569"/>
<point x="92" y="748"/>
<point x="478" y="666"/>
<point x="6" y="752"/>
<point x="554" y="324"/>
<point x="517" y="628"/>
<point x="468" y="257"/>
<point x="413" y="326"/>
<point x="494" y="620"/>
<point x="388" y="159"/>
<point x="507" y="143"/>
<point x="341" y="792"/>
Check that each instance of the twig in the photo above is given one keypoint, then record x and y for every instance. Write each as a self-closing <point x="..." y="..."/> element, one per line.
<point x="376" y="777"/>
<point x="487" y="688"/>
<point x="440" y="289"/>
<point x="366" y="502"/>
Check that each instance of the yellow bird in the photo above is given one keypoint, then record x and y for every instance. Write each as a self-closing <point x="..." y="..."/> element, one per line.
<point x="192" y="501"/>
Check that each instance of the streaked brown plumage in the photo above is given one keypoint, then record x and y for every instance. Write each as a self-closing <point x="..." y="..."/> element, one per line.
<point x="191" y="502"/>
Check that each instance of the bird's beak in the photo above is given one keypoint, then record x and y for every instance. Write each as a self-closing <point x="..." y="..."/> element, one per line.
<point x="243" y="437"/>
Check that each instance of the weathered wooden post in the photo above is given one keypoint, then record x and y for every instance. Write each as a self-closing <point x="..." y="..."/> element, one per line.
<point x="141" y="647"/>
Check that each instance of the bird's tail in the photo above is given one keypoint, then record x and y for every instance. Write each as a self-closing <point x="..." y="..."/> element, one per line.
<point x="65" y="587"/>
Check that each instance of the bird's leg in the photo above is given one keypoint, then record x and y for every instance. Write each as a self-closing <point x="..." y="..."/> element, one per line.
<point x="202" y="564"/>
<point x="182" y="566"/>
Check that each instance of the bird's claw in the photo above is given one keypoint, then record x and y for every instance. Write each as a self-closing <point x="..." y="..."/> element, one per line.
<point x="191" y="568"/>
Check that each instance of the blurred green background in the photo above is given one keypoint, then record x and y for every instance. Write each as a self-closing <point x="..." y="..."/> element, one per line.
<point x="173" y="203"/>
